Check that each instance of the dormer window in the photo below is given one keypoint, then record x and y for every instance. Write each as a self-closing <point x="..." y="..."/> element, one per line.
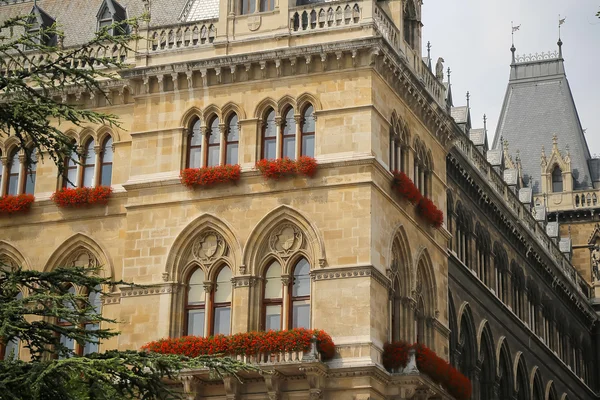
<point x="557" y="180"/>
<point x="110" y="12"/>
<point x="38" y="22"/>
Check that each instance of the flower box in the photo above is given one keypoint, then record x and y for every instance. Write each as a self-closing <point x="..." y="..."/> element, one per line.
<point x="80" y="197"/>
<point x="15" y="204"/>
<point x="395" y="355"/>
<point x="285" y="167"/>
<point x="405" y="187"/>
<point x="248" y="344"/>
<point x="208" y="176"/>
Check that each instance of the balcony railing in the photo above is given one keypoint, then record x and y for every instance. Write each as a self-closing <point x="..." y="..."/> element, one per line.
<point x="323" y="16"/>
<point x="182" y="36"/>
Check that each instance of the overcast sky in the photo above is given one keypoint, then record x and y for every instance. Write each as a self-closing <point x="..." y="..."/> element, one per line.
<point x="473" y="36"/>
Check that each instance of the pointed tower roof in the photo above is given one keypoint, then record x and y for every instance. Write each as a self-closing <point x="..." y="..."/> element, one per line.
<point x="539" y="104"/>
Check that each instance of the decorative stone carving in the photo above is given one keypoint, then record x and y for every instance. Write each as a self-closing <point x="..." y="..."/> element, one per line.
<point x="286" y="240"/>
<point x="83" y="258"/>
<point x="254" y="22"/>
<point x="209" y="247"/>
<point x="439" y="69"/>
<point x="596" y="264"/>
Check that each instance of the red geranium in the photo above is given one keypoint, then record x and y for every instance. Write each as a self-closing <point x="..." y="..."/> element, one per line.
<point x="430" y="212"/>
<point x="208" y="176"/>
<point x="395" y="355"/>
<point x="79" y="197"/>
<point x="14" y="204"/>
<point x="284" y="167"/>
<point x="406" y="188"/>
<point x="250" y="343"/>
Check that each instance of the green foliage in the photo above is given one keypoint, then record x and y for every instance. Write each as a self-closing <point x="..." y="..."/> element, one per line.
<point x="48" y="310"/>
<point x="39" y="73"/>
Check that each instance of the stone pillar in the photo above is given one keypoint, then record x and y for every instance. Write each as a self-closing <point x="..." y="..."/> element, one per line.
<point x="22" y="172"/>
<point x="298" y="119"/>
<point x="97" y="164"/>
<point x="3" y="175"/>
<point x="240" y="317"/>
<point x="223" y="141"/>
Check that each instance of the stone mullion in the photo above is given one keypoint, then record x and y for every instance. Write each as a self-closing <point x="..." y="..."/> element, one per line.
<point x="298" y="147"/>
<point x="204" y="152"/>
<point x="4" y="175"/>
<point x="278" y="138"/>
<point x="209" y="288"/>
<point x="22" y="172"/>
<point x="97" y="165"/>
<point x="78" y="182"/>
<point x="222" y="144"/>
<point x="285" y="312"/>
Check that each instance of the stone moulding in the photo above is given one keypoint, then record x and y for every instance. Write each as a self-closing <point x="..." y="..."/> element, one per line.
<point x="351" y="272"/>
<point x="165" y="288"/>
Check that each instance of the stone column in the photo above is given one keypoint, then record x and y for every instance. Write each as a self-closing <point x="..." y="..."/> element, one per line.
<point x="223" y="140"/>
<point x="3" y="175"/>
<point x="97" y="164"/>
<point x="22" y="172"/>
<point x="278" y="140"/>
<point x="298" y="120"/>
<point x="242" y="285"/>
<point x="285" y="313"/>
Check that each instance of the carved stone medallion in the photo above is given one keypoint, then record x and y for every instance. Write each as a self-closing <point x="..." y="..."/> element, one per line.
<point x="286" y="240"/>
<point x="254" y="22"/>
<point x="209" y="247"/>
<point x="83" y="258"/>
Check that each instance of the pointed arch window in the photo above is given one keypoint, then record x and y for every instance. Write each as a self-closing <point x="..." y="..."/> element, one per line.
<point x="14" y="170"/>
<point x="273" y="298"/>
<point x="269" y="135"/>
<point x="195" y="140"/>
<point x="68" y="342"/>
<point x="221" y="304"/>
<point x="11" y="349"/>
<point x="214" y="143"/>
<point x="288" y="134"/>
<point x="307" y="143"/>
<point x="557" y="180"/>
<point x="70" y="175"/>
<point x="111" y="12"/>
<point x="300" y="295"/>
<point x="106" y="162"/>
<point x="420" y="320"/>
<point x="196" y="304"/>
<point x="232" y="140"/>
<point x="94" y="299"/>
<point x="89" y="164"/>
<point x="30" y="172"/>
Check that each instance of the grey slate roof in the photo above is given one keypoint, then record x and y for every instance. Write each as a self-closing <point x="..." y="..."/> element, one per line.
<point x="537" y="105"/>
<point x="197" y="10"/>
<point x="77" y="18"/>
<point x="459" y="114"/>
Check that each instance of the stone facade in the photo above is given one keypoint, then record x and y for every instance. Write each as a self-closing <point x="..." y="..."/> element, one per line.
<point x="372" y="258"/>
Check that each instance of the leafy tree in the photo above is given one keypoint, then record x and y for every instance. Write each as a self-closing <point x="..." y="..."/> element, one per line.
<point x="35" y="70"/>
<point x="38" y="310"/>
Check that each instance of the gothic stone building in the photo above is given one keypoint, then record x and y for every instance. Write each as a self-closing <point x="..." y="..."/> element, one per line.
<point x="234" y="82"/>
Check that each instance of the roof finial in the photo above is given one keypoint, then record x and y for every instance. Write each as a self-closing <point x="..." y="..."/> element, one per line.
<point x="429" y="55"/>
<point x="554" y="142"/>
<point x="512" y="48"/>
<point x="449" y="71"/>
<point x="505" y="145"/>
<point x="485" y="124"/>
<point x="468" y="100"/>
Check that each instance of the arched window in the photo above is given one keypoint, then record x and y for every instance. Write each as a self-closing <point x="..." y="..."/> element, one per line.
<point x="308" y="132"/>
<point x="195" y="140"/>
<point x="30" y="172"/>
<point x="221" y="307"/>
<point x="14" y="170"/>
<point x="522" y="386"/>
<point x="214" y="143"/>
<point x="66" y="341"/>
<point x="11" y="349"/>
<point x="232" y="140"/>
<point x="420" y="320"/>
<point x="70" y="175"/>
<point x="269" y="139"/>
<point x="288" y="135"/>
<point x="105" y="18"/>
<point x="395" y="306"/>
<point x="109" y="15"/>
<point x="106" y="161"/>
<point x="273" y="298"/>
<point x="89" y="164"/>
<point x="488" y="369"/>
<point x="195" y="304"/>
<point x="505" y="387"/>
<point x="300" y="295"/>
<point x="557" y="180"/>
<point x="94" y="298"/>
<point x="267" y="5"/>
<point x="538" y="390"/>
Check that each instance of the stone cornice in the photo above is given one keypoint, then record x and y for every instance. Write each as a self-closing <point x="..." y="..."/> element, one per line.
<point x="150" y="290"/>
<point x="366" y="271"/>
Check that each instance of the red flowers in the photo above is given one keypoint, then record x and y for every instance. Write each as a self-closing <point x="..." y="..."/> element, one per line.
<point x="430" y="212"/>
<point x="79" y="197"/>
<point x="250" y="343"/>
<point x="208" y="176"/>
<point x="395" y="355"/>
<point x="425" y="207"/>
<point x="283" y="167"/>
<point x="15" y="204"/>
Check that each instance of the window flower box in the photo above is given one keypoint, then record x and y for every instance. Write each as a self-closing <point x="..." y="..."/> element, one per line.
<point x="396" y="356"/>
<point x="405" y="187"/>
<point x="208" y="176"/>
<point x="80" y="197"/>
<point x="253" y="345"/>
<point x="285" y="167"/>
<point x="15" y="204"/>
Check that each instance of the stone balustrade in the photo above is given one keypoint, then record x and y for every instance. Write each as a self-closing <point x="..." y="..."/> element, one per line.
<point x="182" y="36"/>
<point x="323" y="16"/>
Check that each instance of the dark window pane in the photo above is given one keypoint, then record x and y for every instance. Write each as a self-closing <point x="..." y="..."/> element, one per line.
<point x="273" y="318"/>
<point x="13" y="185"/>
<point x="308" y="145"/>
<point x="107" y="151"/>
<point x="196" y="134"/>
<point x="233" y="133"/>
<point x="195" y="323"/>
<point x="232" y="154"/>
<point x="91" y="347"/>
<point x="271" y="127"/>
<point x="289" y="127"/>
<point x="222" y="320"/>
<point x="309" y="120"/>
<point x="301" y="314"/>
<point x="106" y="175"/>
<point x="301" y="285"/>
<point x="213" y="156"/>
